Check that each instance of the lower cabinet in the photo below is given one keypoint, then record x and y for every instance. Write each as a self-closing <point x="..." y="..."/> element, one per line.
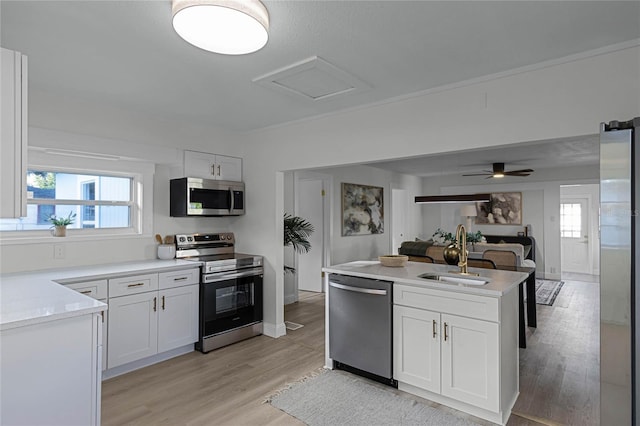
<point x="470" y="364"/>
<point x="142" y="325"/>
<point x="447" y="354"/>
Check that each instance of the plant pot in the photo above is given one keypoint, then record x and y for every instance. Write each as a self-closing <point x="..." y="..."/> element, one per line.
<point x="59" y="231"/>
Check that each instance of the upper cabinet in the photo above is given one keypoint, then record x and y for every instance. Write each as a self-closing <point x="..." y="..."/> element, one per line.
<point x="13" y="134"/>
<point x="212" y="166"/>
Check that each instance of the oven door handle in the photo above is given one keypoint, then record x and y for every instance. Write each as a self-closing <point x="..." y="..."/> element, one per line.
<point x="214" y="278"/>
<point x="231" y="204"/>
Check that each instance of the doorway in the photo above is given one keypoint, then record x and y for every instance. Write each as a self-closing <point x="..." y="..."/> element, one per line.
<point x="579" y="229"/>
<point x="398" y="218"/>
<point x="312" y="202"/>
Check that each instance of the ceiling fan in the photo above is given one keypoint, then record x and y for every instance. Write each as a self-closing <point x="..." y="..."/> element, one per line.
<point x="499" y="172"/>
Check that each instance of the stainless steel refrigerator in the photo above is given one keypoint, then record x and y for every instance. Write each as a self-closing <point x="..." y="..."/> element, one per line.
<point x="619" y="257"/>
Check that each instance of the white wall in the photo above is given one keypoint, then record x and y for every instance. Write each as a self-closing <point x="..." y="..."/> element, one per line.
<point x="564" y="100"/>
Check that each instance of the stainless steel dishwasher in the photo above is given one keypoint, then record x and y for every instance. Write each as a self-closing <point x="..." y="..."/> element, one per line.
<point x="360" y="326"/>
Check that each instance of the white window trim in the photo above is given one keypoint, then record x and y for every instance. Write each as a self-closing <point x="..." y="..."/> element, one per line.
<point x="142" y="186"/>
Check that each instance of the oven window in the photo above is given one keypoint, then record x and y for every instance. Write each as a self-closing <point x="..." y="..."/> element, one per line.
<point x="229" y="299"/>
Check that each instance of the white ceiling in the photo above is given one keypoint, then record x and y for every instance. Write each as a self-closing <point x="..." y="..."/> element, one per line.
<point x="125" y="53"/>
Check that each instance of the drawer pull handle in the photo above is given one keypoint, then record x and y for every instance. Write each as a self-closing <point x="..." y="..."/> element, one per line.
<point x="180" y="279"/>
<point x="163" y="303"/>
<point x="155" y="300"/>
<point x="135" y="285"/>
<point x="435" y="326"/>
<point x="86" y="292"/>
<point x="445" y="332"/>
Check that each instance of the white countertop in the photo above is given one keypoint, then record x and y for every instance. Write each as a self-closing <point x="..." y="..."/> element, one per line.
<point x="28" y="298"/>
<point x="500" y="282"/>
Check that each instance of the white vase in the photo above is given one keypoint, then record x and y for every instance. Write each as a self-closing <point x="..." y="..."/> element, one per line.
<point x="59" y="231"/>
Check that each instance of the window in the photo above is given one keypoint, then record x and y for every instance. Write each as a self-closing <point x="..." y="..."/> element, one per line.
<point x="570" y="220"/>
<point x="99" y="201"/>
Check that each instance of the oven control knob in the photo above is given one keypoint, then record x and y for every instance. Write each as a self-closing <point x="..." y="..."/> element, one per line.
<point x="182" y="239"/>
<point x="228" y="236"/>
<point x="190" y="239"/>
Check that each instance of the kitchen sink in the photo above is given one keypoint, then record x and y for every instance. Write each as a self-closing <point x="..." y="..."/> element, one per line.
<point x="455" y="280"/>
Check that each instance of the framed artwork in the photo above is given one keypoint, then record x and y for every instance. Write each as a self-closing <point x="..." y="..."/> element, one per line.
<point x="505" y="208"/>
<point x="362" y="209"/>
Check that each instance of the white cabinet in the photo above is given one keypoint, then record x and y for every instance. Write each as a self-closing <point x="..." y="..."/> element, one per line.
<point x="178" y="317"/>
<point x="212" y="166"/>
<point x="151" y="321"/>
<point x="51" y="372"/>
<point x="457" y="349"/>
<point x="416" y="348"/>
<point x="447" y="354"/>
<point x="133" y="328"/>
<point x="470" y="361"/>
<point x="98" y="290"/>
<point x="13" y="134"/>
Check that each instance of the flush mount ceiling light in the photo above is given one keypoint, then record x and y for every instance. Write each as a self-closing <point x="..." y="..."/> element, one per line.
<point x="230" y="27"/>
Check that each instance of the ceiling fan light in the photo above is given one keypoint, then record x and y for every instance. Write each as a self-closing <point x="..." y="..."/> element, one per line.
<point x="229" y="27"/>
<point x="498" y="175"/>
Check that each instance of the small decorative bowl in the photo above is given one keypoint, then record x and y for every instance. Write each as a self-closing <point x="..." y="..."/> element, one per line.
<point x="394" y="260"/>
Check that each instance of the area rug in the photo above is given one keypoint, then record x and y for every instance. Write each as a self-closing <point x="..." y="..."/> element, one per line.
<point x="292" y="325"/>
<point x="333" y="397"/>
<point x="547" y="291"/>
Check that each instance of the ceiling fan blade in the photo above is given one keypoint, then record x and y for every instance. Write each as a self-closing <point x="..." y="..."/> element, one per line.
<point x="521" y="171"/>
<point x="516" y="174"/>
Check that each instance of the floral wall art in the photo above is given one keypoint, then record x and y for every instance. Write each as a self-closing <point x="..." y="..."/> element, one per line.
<point x="505" y="208"/>
<point x="362" y="209"/>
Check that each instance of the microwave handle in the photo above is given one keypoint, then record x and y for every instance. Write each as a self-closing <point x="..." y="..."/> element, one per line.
<point x="231" y="196"/>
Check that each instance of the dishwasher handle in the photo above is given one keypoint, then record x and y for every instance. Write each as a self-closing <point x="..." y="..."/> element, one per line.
<point x="358" y="289"/>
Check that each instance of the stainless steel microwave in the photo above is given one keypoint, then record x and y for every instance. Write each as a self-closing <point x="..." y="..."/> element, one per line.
<point x="206" y="197"/>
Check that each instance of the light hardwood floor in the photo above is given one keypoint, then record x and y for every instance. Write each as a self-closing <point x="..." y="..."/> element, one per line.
<point x="559" y="372"/>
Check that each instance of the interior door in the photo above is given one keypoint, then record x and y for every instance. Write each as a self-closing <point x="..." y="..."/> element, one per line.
<point x="574" y="235"/>
<point x="310" y="206"/>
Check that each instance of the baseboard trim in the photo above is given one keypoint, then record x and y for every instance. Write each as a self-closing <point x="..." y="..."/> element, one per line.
<point x="273" y="330"/>
<point x="290" y="298"/>
<point x="145" y="362"/>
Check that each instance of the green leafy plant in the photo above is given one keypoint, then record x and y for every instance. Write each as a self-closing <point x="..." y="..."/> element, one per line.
<point x="445" y="237"/>
<point x="442" y="236"/>
<point x="62" y="221"/>
<point x="296" y="234"/>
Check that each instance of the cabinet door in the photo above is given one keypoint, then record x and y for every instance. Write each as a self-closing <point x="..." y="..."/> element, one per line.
<point x="133" y="328"/>
<point x="178" y="317"/>
<point x="13" y="134"/>
<point x="200" y="165"/>
<point x="228" y="168"/>
<point x="470" y="360"/>
<point x="416" y="348"/>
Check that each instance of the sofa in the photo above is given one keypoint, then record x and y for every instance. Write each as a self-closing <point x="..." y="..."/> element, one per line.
<point x="523" y="247"/>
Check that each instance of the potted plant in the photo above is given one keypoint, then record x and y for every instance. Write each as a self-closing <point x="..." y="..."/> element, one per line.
<point x="296" y="234"/>
<point x="59" y="228"/>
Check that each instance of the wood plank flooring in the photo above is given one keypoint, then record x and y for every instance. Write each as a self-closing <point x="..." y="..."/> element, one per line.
<point x="559" y="373"/>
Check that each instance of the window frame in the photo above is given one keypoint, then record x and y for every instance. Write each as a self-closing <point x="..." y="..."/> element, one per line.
<point x="140" y="173"/>
<point x="570" y="230"/>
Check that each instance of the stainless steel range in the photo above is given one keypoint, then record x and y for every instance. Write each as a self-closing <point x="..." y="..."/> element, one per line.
<point x="230" y="288"/>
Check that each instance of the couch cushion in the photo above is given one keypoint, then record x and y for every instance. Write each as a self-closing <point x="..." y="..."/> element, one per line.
<point x="414" y="248"/>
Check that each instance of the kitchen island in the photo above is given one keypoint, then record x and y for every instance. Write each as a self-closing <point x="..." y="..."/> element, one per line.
<point x="455" y="342"/>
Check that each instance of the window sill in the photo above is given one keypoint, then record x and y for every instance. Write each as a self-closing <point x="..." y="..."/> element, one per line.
<point x="70" y="238"/>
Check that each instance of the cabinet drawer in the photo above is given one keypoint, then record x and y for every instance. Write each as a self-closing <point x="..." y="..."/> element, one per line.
<point x="178" y="278"/>
<point x="96" y="289"/>
<point x="132" y="285"/>
<point x="449" y="302"/>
